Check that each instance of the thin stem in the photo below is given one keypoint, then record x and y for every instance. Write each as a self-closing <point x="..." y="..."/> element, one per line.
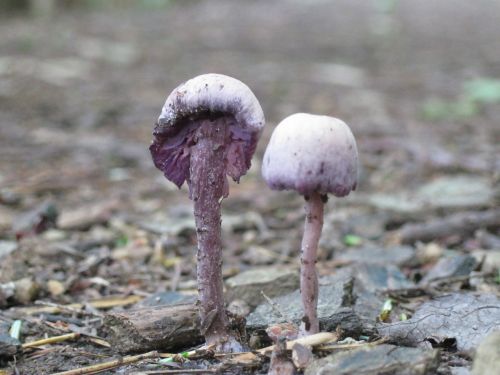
<point x="208" y="186"/>
<point x="308" y="276"/>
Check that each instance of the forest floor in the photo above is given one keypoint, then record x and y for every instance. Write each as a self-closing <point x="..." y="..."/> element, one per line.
<point x="89" y="228"/>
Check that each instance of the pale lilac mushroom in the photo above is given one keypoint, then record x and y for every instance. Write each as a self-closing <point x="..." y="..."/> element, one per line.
<point x="208" y="129"/>
<point x="314" y="155"/>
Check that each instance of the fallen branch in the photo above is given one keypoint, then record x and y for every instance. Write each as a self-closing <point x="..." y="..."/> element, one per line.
<point x="104" y="303"/>
<point x="51" y="340"/>
<point x="459" y="223"/>
<point x="94" y="369"/>
<point x="151" y="328"/>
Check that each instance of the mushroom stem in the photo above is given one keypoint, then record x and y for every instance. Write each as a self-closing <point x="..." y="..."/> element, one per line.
<point x="308" y="276"/>
<point x="208" y="186"/>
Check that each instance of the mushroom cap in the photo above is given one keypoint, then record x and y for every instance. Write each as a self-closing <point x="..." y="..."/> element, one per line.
<point x="311" y="153"/>
<point x="208" y="96"/>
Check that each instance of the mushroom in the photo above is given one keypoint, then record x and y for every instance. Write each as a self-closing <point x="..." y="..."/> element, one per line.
<point x="314" y="155"/>
<point x="207" y="130"/>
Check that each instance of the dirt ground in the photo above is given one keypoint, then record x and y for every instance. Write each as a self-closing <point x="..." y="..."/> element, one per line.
<point x="84" y="215"/>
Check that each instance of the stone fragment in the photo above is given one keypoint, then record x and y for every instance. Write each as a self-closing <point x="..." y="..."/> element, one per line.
<point x="458" y="265"/>
<point x="36" y="221"/>
<point x="7" y="247"/>
<point x="487" y="358"/>
<point x="369" y="281"/>
<point x="26" y="290"/>
<point x="398" y="255"/>
<point x="334" y="309"/>
<point x="463" y="191"/>
<point x="8" y="345"/>
<point x="374" y="360"/>
<point x="84" y="217"/>
<point x="453" y="320"/>
<point x="166" y="298"/>
<point x="301" y="356"/>
<point x="272" y="281"/>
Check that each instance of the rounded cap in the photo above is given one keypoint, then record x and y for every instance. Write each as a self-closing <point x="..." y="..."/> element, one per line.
<point x="208" y="96"/>
<point x="310" y="153"/>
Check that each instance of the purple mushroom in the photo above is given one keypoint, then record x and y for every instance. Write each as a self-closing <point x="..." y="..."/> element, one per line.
<point x="208" y="129"/>
<point x="314" y="155"/>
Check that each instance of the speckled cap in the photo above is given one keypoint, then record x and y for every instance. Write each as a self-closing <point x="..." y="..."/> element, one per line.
<point x="207" y="96"/>
<point x="311" y="153"/>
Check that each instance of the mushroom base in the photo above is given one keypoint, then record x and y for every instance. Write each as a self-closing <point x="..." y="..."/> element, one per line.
<point x="208" y="186"/>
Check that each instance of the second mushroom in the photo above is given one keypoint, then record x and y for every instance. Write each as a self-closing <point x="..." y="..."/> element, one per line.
<point x="208" y="129"/>
<point x="313" y="155"/>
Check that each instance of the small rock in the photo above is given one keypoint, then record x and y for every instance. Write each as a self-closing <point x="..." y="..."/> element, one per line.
<point x="258" y="255"/>
<point x="464" y="191"/>
<point x="458" y="265"/>
<point x="179" y="221"/>
<point x="239" y="307"/>
<point x="371" y="277"/>
<point x="280" y="364"/>
<point x="85" y="217"/>
<point x="487" y="240"/>
<point x="459" y="371"/>
<point x="26" y="290"/>
<point x="96" y="237"/>
<point x="402" y="204"/>
<point x="301" y="356"/>
<point x="334" y="309"/>
<point x="7" y="247"/>
<point x="369" y="280"/>
<point x="7" y="218"/>
<point x="429" y="253"/>
<point x="273" y="281"/>
<point x="22" y="291"/>
<point x="36" y="221"/>
<point x="166" y="298"/>
<point x="487" y="358"/>
<point x="491" y="260"/>
<point x="380" y="359"/>
<point x="56" y="288"/>
<point x="55" y="235"/>
<point x="398" y="255"/>
<point x="8" y="345"/>
<point x="456" y="319"/>
<point x="9" y="197"/>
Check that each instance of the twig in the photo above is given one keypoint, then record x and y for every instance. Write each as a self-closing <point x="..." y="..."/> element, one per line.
<point x="274" y="306"/>
<point x="460" y="223"/>
<point x="94" y="369"/>
<point x="105" y="303"/>
<point x="312" y="340"/>
<point x="419" y="290"/>
<point x="252" y="358"/>
<point x="51" y="340"/>
<point x="55" y="308"/>
<point x="332" y="346"/>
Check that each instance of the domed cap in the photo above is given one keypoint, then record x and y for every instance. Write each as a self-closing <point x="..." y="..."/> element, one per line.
<point x="208" y="96"/>
<point x="310" y="153"/>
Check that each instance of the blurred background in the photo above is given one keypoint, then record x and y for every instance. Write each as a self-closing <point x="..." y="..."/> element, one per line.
<point x="82" y="84"/>
<point x="84" y="214"/>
